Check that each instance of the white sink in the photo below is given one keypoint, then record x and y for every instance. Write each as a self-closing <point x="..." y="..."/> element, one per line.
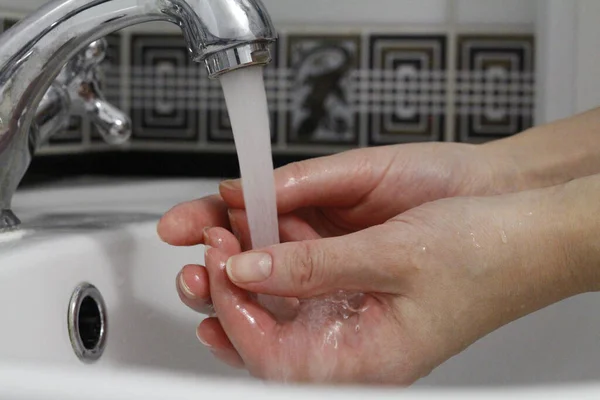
<point x="105" y="234"/>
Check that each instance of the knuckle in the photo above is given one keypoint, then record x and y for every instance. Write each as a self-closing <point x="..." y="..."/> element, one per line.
<point x="295" y="171"/>
<point x="363" y="167"/>
<point x="306" y="261"/>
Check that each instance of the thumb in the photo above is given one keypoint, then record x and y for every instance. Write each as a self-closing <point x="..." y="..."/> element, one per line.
<point x="369" y="261"/>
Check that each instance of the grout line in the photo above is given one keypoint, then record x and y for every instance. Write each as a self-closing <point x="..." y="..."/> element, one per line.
<point x="363" y="133"/>
<point x="307" y="150"/>
<point x="451" y="54"/>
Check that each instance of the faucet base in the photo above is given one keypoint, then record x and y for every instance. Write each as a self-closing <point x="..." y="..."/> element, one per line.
<point x="8" y="220"/>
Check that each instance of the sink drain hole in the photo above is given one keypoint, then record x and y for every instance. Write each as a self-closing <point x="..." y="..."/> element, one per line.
<point x="87" y="323"/>
<point x="90" y="323"/>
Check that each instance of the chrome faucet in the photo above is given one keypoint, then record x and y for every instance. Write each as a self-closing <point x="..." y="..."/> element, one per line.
<point x="76" y="90"/>
<point x="223" y="34"/>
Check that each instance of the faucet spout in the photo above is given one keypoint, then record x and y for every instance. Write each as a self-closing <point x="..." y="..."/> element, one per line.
<point x="223" y="34"/>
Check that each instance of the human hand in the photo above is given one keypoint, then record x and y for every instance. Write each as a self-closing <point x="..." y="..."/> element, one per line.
<point x="435" y="279"/>
<point x="336" y="195"/>
<point x="353" y="190"/>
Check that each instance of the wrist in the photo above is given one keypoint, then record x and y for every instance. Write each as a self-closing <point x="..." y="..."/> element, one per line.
<point x="544" y="244"/>
<point x="508" y="173"/>
<point x="547" y="155"/>
<point x="577" y="206"/>
<point x="524" y="162"/>
<point x="558" y="235"/>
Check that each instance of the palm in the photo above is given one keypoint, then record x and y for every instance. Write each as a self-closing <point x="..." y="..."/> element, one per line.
<point x="320" y="342"/>
<point x="324" y="340"/>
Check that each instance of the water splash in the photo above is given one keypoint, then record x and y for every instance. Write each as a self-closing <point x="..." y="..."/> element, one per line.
<point x="328" y="314"/>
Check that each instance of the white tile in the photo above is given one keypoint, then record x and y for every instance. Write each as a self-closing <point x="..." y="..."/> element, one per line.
<point x="325" y="11"/>
<point x="496" y="11"/>
<point x="356" y="11"/>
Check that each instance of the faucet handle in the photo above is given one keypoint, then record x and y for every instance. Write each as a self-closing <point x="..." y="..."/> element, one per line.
<point x="113" y="124"/>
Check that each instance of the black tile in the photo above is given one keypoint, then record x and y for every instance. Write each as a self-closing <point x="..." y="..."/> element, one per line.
<point x="320" y="105"/>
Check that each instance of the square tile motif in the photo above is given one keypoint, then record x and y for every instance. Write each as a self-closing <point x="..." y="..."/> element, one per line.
<point x="406" y="93"/>
<point x="212" y="100"/>
<point x="164" y="87"/>
<point x="495" y="86"/>
<point x="320" y="106"/>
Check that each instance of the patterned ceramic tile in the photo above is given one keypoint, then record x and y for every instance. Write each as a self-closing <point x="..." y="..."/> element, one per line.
<point x="218" y="125"/>
<point x="407" y="89"/>
<point x="495" y="86"/>
<point x="110" y="76"/>
<point x="320" y="108"/>
<point x="164" y="89"/>
<point x="329" y="90"/>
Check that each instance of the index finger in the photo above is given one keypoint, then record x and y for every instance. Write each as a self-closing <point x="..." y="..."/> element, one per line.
<point x="184" y="224"/>
<point x="338" y="180"/>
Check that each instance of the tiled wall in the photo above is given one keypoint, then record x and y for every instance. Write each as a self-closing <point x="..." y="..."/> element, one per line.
<point x="328" y="89"/>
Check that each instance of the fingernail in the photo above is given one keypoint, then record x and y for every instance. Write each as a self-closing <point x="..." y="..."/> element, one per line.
<point x="185" y="288"/>
<point x="202" y="340"/>
<point x="236" y="233"/>
<point x="233" y="224"/>
<point x="233" y="184"/>
<point x="205" y="233"/>
<point x="250" y="267"/>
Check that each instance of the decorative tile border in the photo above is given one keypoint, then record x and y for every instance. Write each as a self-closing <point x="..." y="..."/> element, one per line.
<point x="327" y="91"/>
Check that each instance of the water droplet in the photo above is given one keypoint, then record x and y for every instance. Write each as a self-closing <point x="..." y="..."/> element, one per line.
<point x="475" y="243"/>
<point x="503" y="236"/>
